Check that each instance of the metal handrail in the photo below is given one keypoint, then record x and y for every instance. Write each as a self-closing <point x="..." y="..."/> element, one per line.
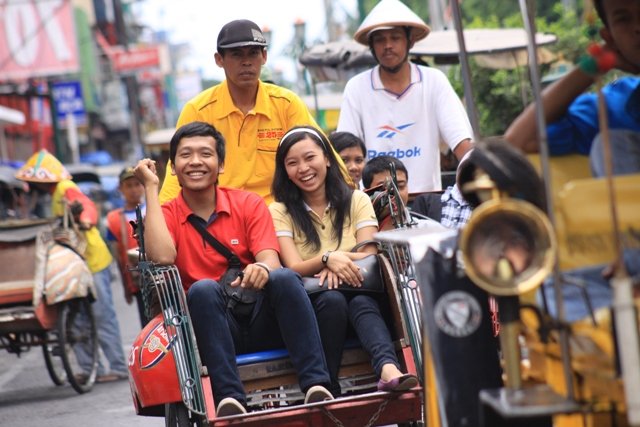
<point x="161" y="284"/>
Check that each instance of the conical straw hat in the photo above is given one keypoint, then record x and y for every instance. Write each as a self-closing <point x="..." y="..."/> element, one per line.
<point x="43" y="167"/>
<point x="388" y="14"/>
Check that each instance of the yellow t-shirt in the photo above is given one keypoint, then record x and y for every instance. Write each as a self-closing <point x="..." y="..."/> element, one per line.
<point x="361" y="215"/>
<point x="97" y="254"/>
<point x="251" y="140"/>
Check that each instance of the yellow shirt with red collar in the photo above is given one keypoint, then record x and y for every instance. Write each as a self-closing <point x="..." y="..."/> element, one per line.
<point x="241" y="222"/>
<point x="97" y="254"/>
<point x="251" y="139"/>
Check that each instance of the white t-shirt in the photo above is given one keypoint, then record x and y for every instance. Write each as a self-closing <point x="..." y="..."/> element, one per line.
<point x="408" y="126"/>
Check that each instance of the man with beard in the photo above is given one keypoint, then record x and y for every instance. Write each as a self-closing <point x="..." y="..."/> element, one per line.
<point x="399" y="108"/>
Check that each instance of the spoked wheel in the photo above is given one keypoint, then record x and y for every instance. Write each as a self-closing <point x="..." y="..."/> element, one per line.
<point x="77" y="331"/>
<point x="177" y="415"/>
<point x="53" y="358"/>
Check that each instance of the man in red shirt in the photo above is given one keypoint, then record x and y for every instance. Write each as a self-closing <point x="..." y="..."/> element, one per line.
<point x="240" y="221"/>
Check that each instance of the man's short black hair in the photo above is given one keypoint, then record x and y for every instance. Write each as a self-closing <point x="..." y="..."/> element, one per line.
<point x="197" y="129"/>
<point x="381" y="164"/>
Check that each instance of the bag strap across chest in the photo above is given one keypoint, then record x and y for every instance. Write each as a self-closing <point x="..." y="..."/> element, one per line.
<point x="232" y="258"/>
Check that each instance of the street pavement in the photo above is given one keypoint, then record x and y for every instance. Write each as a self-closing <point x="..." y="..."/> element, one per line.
<point x="28" y="397"/>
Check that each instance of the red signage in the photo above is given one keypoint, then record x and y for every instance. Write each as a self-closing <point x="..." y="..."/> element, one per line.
<point x="37" y="38"/>
<point x="135" y="58"/>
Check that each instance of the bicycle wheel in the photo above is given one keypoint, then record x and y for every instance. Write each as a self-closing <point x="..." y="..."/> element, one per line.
<point x="53" y="358"/>
<point x="71" y="336"/>
<point x="177" y="415"/>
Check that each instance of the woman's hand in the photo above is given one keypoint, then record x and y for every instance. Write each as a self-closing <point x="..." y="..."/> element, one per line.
<point x="342" y="266"/>
<point x="332" y="278"/>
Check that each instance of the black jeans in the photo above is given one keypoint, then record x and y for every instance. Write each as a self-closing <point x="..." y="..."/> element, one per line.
<point x="335" y="311"/>
<point x="283" y="315"/>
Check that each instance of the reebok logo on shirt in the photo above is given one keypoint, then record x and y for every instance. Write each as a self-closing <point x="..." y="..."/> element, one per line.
<point x="398" y="154"/>
<point x="388" y="131"/>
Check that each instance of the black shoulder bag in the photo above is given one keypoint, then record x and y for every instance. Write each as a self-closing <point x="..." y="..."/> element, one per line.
<point x="372" y="284"/>
<point x="240" y="301"/>
<point x="371" y="269"/>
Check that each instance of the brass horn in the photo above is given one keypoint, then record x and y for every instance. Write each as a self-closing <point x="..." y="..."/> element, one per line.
<point x="508" y="247"/>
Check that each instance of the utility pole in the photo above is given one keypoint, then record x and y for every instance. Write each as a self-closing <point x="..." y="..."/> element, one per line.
<point x="332" y="28"/>
<point x="130" y="83"/>
<point x="300" y="43"/>
<point x="436" y="14"/>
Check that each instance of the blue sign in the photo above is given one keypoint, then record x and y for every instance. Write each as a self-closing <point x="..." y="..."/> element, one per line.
<point x="68" y="99"/>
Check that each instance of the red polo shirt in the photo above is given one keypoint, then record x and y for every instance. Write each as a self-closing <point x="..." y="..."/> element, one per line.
<point x="241" y="222"/>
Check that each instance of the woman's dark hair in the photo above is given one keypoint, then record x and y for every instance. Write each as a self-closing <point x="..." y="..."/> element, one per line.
<point x="337" y="190"/>
<point x="343" y="140"/>
<point x="197" y="129"/>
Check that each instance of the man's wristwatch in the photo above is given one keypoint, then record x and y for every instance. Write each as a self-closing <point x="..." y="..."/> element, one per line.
<point x="325" y="257"/>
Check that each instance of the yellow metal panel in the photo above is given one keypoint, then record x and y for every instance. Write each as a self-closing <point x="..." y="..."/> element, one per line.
<point x="585" y="230"/>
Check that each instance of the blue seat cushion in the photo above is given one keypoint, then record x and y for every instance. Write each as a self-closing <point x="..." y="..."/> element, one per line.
<point x="281" y="353"/>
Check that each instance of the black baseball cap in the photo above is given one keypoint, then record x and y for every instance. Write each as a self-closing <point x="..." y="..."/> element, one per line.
<point x="239" y="33"/>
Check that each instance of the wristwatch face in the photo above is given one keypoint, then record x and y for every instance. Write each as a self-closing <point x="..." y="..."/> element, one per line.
<point x="325" y="257"/>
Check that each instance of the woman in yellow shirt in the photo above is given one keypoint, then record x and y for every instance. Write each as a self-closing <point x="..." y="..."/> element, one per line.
<point x="319" y="218"/>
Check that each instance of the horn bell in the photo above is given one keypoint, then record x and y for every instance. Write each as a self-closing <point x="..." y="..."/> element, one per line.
<point x="508" y="247"/>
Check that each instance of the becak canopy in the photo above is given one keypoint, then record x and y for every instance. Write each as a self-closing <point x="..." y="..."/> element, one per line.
<point x="43" y="167"/>
<point x="388" y="14"/>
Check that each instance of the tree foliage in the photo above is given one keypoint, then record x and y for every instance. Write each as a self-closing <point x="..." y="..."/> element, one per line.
<point x="501" y="95"/>
<point x="498" y="9"/>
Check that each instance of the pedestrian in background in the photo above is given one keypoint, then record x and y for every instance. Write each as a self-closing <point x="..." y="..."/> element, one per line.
<point x="46" y="174"/>
<point x="121" y="239"/>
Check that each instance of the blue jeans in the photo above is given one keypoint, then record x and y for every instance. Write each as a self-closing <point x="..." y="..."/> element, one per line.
<point x="625" y="149"/>
<point x="107" y="327"/>
<point x="283" y="316"/>
<point x="591" y="280"/>
<point x="334" y="310"/>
